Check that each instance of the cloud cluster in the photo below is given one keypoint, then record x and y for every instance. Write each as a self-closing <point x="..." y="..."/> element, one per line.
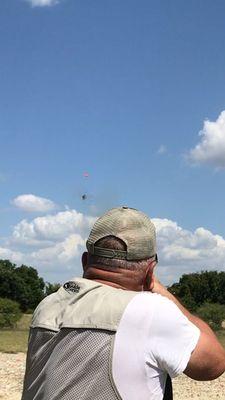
<point x="42" y="3"/>
<point x="51" y="228"/>
<point x="182" y="251"/>
<point x="12" y="255"/>
<point x="211" y="147"/>
<point x="54" y="243"/>
<point x="32" y="203"/>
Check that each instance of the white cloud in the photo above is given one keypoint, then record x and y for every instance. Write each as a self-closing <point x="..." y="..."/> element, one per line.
<point x="61" y="252"/>
<point x="14" y="256"/>
<point x="54" y="243"/>
<point x="32" y="203"/>
<point x="211" y="147"/>
<point x="182" y="251"/>
<point x="52" y="227"/>
<point x="42" y="3"/>
<point x="162" y="149"/>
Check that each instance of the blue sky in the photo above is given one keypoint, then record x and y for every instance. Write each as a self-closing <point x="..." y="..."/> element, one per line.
<point x="121" y="90"/>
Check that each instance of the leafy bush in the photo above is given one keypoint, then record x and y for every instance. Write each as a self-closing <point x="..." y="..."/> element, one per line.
<point x="212" y="313"/>
<point x="10" y="313"/>
<point x="196" y="289"/>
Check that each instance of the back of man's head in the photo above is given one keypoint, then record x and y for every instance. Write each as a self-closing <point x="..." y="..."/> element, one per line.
<point x="122" y="238"/>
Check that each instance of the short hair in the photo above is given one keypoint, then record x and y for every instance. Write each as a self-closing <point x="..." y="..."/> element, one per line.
<point x="114" y="243"/>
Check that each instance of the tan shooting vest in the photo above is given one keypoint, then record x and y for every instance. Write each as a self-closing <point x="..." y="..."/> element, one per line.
<point x="71" y="343"/>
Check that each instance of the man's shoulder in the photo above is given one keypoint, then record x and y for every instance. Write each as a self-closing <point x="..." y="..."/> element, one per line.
<point x="82" y="303"/>
<point x="44" y="315"/>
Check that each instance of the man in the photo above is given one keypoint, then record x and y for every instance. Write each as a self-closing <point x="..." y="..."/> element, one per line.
<point x="117" y="333"/>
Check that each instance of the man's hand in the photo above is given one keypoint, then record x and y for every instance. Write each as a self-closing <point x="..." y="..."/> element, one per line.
<point x="157" y="287"/>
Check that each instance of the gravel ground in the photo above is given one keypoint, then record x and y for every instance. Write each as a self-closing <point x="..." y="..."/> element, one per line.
<point x="12" y="368"/>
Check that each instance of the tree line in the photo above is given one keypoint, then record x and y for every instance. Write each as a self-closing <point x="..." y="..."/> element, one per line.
<point x="196" y="289"/>
<point x="203" y="294"/>
<point x="21" y="290"/>
<point x="22" y="284"/>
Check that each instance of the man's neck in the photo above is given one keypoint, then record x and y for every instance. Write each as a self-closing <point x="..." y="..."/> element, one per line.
<point x="120" y="278"/>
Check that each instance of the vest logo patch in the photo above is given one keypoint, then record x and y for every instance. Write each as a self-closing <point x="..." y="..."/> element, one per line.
<point x="71" y="287"/>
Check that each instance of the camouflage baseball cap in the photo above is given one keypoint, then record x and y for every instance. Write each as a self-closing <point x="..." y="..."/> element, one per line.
<point x="133" y="227"/>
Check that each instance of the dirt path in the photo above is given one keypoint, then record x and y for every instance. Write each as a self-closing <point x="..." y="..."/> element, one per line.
<point x="186" y="389"/>
<point x="12" y="367"/>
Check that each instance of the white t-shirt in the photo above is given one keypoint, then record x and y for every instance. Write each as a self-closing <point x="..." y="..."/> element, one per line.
<point x="153" y="338"/>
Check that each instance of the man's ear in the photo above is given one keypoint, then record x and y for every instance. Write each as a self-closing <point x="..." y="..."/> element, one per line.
<point x="149" y="277"/>
<point x="84" y="260"/>
<point x="153" y="265"/>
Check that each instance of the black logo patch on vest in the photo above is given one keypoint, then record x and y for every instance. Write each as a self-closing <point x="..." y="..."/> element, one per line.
<point x="71" y="287"/>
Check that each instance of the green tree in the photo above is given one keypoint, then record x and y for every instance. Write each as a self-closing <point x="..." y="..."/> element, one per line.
<point x="212" y="313"/>
<point x="21" y="284"/>
<point x="33" y="289"/>
<point x="51" y="288"/>
<point x="195" y="289"/>
<point x="221" y="288"/>
<point x="10" y="313"/>
<point x="10" y="284"/>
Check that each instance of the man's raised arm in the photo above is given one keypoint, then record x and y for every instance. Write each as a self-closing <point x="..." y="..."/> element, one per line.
<point x="207" y="361"/>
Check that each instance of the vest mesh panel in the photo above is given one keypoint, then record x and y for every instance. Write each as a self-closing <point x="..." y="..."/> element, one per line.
<point x="76" y="363"/>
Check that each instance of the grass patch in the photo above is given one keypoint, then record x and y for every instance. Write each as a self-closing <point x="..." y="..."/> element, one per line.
<point x="24" y="323"/>
<point x="13" y="341"/>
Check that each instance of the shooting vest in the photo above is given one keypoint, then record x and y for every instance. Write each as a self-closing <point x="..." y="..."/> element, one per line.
<point x="71" y="343"/>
